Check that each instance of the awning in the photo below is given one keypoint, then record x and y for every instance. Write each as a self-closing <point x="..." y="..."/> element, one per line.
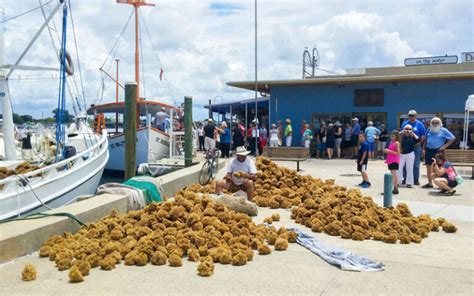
<point x="145" y="107"/>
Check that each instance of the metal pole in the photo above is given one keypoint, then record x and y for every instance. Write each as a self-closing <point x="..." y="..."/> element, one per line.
<point x="387" y="190"/>
<point x="256" y="83"/>
<point x="210" y="108"/>
<point x="116" y="94"/>
<point x="137" y="65"/>
<point x="188" y="131"/>
<point x="129" y="128"/>
<point x="230" y="126"/>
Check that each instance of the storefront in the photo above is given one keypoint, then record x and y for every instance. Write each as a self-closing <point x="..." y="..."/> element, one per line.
<point x="380" y="95"/>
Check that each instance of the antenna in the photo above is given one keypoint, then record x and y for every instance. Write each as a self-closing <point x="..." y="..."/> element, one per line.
<point x="310" y="62"/>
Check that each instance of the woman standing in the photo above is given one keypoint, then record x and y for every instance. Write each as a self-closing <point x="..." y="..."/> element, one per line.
<point x="338" y="141"/>
<point x="330" y="140"/>
<point x="393" y="158"/>
<point x="274" y="136"/>
<point x="307" y="136"/>
<point x="407" y="157"/>
<point x="321" y="140"/>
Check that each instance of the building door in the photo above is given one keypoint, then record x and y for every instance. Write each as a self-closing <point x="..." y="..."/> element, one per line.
<point x="378" y="118"/>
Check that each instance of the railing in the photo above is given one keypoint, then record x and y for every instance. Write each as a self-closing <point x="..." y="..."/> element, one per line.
<point x="52" y="170"/>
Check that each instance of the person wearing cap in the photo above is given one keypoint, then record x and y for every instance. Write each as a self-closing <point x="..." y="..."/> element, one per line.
<point x="241" y="172"/>
<point x="355" y="131"/>
<point x="438" y="139"/>
<point x="372" y="133"/>
<point x="419" y="130"/>
<point x="288" y="132"/>
<point x="209" y="134"/>
<point x="160" y="119"/>
<point x="408" y="140"/>
<point x="338" y="136"/>
<point x="225" y="139"/>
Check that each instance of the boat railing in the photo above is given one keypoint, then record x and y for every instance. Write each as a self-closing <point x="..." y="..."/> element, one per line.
<point x="50" y="171"/>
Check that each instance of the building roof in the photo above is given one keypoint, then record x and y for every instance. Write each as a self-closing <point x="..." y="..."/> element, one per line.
<point x="225" y="107"/>
<point x="372" y="75"/>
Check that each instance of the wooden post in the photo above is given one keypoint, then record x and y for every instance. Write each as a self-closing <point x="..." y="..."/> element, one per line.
<point x="130" y="129"/>
<point x="188" y="131"/>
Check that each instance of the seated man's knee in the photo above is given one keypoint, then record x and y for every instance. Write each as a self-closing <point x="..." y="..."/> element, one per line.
<point x="248" y="183"/>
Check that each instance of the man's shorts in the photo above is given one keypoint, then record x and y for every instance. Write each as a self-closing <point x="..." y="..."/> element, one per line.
<point x="371" y="146"/>
<point x="393" y="166"/>
<point x="354" y="140"/>
<point x="361" y="168"/>
<point x="234" y="187"/>
<point x="429" y="154"/>
<point x="209" y="143"/>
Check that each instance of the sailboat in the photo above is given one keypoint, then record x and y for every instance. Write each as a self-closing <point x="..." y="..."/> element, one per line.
<point x="63" y="163"/>
<point x="152" y="143"/>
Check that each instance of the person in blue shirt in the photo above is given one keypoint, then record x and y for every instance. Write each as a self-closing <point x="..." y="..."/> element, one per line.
<point x="371" y="133"/>
<point x="225" y="139"/>
<point x="355" y="131"/>
<point x="362" y="160"/>
<point x="419" y="130"/>
<point x="438" y="139"/>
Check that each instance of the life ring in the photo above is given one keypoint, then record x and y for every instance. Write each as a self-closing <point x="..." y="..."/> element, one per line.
<point x="69" y="63"/>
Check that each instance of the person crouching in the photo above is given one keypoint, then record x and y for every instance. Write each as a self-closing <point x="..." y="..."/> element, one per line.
<point x="241" y="172"/>
<point x="444" y="175"/>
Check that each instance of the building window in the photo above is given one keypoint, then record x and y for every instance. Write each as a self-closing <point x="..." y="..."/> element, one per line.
<point x="368" y="97"/>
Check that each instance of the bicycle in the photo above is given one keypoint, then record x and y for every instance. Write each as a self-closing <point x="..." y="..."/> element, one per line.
<point x="209" y="168"/>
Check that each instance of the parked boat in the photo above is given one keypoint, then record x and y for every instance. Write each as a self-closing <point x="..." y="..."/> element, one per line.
<point x="47" y="168"/>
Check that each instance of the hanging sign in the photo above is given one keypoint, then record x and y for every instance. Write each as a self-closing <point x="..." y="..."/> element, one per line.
<point x="467" y="57"/>
<point x="431" y="60"/>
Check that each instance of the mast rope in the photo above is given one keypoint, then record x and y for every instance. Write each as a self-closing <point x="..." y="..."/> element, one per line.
<point x="24" y="13"/>
<point x="60" y="126"/>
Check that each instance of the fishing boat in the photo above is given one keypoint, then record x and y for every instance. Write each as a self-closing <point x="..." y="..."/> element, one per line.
<point x="152" y="143"/>
<point x="43" y="168"/>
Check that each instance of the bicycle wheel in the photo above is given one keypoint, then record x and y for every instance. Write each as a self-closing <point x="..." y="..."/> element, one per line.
<point x="215" y="162"/>
<point x="205" y="174"/>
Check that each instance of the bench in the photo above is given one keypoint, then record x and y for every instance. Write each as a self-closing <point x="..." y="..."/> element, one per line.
<point x="287" y="154"/>
<point x="461" y="158"/>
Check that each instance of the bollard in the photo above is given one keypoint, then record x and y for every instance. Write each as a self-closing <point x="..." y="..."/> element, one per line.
<point x="387" y="190"/>
<point x="188" y="131"/>
<point x="129" y="129"/>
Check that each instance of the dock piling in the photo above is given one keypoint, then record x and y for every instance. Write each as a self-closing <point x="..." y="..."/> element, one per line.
<point x="188" y="131"/>
<point x="129" y="128"/>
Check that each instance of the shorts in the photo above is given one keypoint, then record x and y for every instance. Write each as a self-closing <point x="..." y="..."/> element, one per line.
<point x="234" y="187"/>
<point x="361" y="168"/>
<point x="429" y="154"/>
<point x="393" y="166"/>
<point x="330" y="143"/>
<point x="209" y="143"/>
<point x="354" y="140"/>
<point x="452" y="183"/>
<point x="321" y="146"/>
<point x="371" y="146"/>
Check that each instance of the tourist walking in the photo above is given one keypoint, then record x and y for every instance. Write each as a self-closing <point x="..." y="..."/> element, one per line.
<point x="438" y="139"/>
<point x="355" y="131"/>
<point x="330" y="140"/>
<point x="393" y="158"/>
<point x="338" y="135"/>
<point x="407" y="157"/>
<point x="225" y="138"/>
<point x="372" y="134"/>
<point x="363" y="160"/>
<point x="288" y="133"/>
<point x="273" y="136"/>
<point x="420" y="131"/>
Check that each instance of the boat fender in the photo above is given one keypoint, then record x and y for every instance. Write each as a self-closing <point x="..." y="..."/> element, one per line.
<point x="69" y="63"/>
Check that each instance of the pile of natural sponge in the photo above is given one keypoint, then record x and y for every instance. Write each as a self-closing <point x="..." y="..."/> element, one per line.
<point x="338" y="211"/>
<point x="191" y="226"/>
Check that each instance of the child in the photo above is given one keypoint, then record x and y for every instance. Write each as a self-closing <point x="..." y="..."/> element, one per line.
<point x="362" y="160"/>
<point x="393" y="158"/>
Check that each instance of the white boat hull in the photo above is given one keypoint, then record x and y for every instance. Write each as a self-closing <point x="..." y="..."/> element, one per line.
<point x="53" y="185"/>
<point x="152" y="145"/>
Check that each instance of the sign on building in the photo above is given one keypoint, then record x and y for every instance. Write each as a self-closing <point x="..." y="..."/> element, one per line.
<point x="467" y="57"/>
<point x="431" y="60"/>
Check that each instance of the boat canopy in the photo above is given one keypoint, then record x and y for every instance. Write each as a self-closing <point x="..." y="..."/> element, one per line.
<point x="145" y="107"/>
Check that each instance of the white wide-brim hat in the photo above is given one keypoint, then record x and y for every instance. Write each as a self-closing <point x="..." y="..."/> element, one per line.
<point x="241" y="151"/>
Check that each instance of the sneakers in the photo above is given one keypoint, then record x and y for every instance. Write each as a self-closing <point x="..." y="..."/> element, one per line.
<point x="395" y="191"/>
<point x="365" y="184"/>
<point x="409" y="186"/>
<point x="428" y="185"/>
<point x="417" y="183"/>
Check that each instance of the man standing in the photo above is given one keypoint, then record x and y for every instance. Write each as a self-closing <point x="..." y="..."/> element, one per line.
<point x="288" y="132"/>
<point x="160" y="118"/>
<point x="371" y="133"/>
<point x="254" y="137"/>
<point x="209" y="132"/>
<point x="241" y="172"/>
<point x="355" y="131"/>
<point x="438" y="139"/>
<point x="419" y="130"/>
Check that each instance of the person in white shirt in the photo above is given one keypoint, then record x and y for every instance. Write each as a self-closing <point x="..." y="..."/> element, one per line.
<point x="241" y="172"/>
<point x="274" y="137"/>
<point x="160" y="118"/>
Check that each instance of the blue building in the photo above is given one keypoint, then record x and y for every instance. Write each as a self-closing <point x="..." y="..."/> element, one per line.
<point x="381" y="95"/>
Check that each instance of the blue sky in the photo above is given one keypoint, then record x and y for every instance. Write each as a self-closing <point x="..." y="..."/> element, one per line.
<point x="201" y="45"/>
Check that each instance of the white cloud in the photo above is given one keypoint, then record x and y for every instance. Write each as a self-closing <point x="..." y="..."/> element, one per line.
<point x="204" y="44"/>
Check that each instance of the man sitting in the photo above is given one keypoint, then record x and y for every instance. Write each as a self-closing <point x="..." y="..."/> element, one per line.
<point x="241" y="172"/>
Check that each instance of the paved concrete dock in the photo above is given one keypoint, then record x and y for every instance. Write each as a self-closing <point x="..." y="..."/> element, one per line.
<point x="442" y="264"/>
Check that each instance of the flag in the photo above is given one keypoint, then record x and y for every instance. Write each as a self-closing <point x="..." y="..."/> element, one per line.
<point x="161" y="74"/>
